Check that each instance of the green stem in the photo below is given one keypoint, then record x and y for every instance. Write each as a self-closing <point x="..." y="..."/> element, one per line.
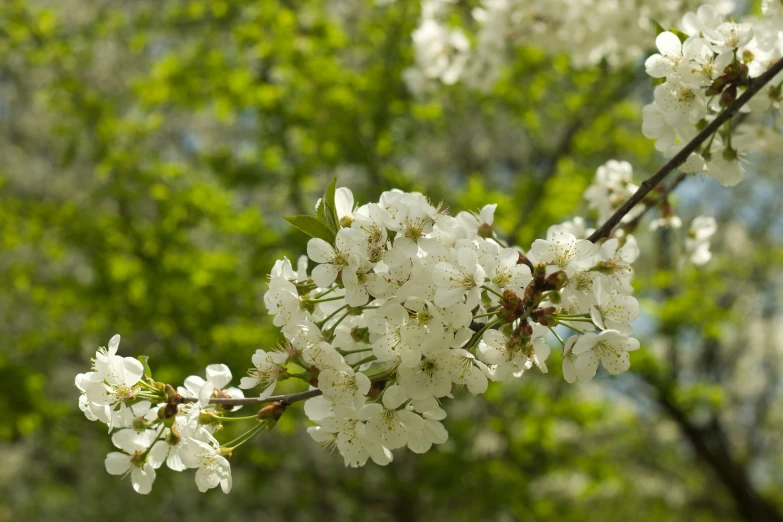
<point x="321" y="323"/>
<point x="485" y="315"/>
<point x="572" y="328"/>
<point x="488" y="289"/>
<point x="325" y="300"/>
<point x="340" y="320"/>
<point x="222" y="419"/>
<point x="249" y="434"/>
<point x="558" y="337"/>
<point x="478" y="334"/>
<point x="327" y="292"/>
<point x="349" y="352"/>
<point x="365" y="360"/>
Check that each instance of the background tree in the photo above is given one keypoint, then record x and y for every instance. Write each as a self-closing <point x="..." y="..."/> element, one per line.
<point x="146" y="155"/>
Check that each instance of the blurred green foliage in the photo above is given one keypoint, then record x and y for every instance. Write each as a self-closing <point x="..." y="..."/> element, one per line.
<point x="147" y="152"/>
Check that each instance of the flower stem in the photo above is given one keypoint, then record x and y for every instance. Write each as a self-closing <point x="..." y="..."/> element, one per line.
<point x="365" y="360"/>
<point x="321" y="323"/>
<point x="246" y="436"/>
<point x="558" y="337"/>
<point x="325" y="300"/>
<point x="488" y="289"/>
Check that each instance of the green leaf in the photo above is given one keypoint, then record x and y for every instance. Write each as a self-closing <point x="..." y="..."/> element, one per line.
<point x="682" y="36"/>
<point x="311" y="226"/>
<point x="144" y="362"/>
<point x="319" y="211"/>
<point x="658" y="28"/>
<point x="330" y="209"/>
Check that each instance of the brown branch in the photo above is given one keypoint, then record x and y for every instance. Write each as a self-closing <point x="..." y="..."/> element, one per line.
<point x="660" y="199"/>
<point x="679" y="158"/>
<point x="285" y="399"/>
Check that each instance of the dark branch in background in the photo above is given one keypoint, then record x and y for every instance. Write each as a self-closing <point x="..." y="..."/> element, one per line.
<point x="564" y="146"/>
<point x="710" y="443"/>
<point x="650" y="183"/>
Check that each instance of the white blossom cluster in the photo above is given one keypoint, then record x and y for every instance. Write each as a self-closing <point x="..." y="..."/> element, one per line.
<point x="409" y="303"/>
<point x="704" y="68"/>
<point x="588" y="31"/>
<point x="697" y="243"/>
<point x="612" y="186"/>
<point x="116" y="393"/>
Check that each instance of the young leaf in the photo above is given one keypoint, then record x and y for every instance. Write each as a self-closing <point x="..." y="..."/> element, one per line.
<point x="144" y="359"/>
<point x="311" y="226"/>
<point x="319" y="211"/>
<point x="328" y="203"/>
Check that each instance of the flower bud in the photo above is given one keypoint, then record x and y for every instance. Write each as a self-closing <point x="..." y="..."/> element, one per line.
<point x="139" y="424"/>
<point x="728" y="96"/>
<point x="556" y="281"/>
<point x="173" y="437"/>
<point x="485" y="230"/>
<point x="269" y="415"/>
<point x="360" y="335"/>
<point x="376" y="388"/>
<point x="523" y="260"/>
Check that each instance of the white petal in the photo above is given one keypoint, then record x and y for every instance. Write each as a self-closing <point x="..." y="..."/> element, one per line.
<point x="324" y="275"/>
<point x="117" y="463"/>
<point x="142" y="479"/>
<point x="219" y="374"/>
<point x="320" y="251"/>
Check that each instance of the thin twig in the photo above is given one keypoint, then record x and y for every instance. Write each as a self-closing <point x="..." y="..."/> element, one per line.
<point x="285" y="399"/>
<point x="679" y="158"/>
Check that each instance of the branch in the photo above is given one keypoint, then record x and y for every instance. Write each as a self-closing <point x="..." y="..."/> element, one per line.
<point x="285" y="399"/>
<point x="660" y="199"/>
<point x="650" y="183"/>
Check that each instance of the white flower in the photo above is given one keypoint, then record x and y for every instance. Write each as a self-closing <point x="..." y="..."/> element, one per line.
<point x="218" y="376"/>
<point x="515" y="354"/>
<point x="728" y="36"/>
<point x="454" y="282"/>
<point x="343" y="386"/>
<point x="701" y="65"/>
<point x="507" y="273"/>
<point x="343" y="202"/>
<point x="283" y="301"/>
<point x="478" y="224"/>
<point x="112" y="383"/>
<point x="614" y="311"/>
<point x="332" y="259"/>
<point x="213" y="468"/>
<point x="355" y="280"/>
<point x="725" y="165"/>
<point x="664" y="64"/>
<point x="268" y="369"/>
<point x="341" y="428"/>
<point x="569" y="360"/>
<point x="431" y="377"/>
<point x="387" y="424"/>
<point x="468" y="371"/>
<point x="697" y="244"/>
<point x="562" y="250"/>
<point x="137" y="458"/>
<point x="397" y="338"/>
<point x="610" y="347"/>
<point x="615" y="265"/>
<point x="681" y="103"/>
